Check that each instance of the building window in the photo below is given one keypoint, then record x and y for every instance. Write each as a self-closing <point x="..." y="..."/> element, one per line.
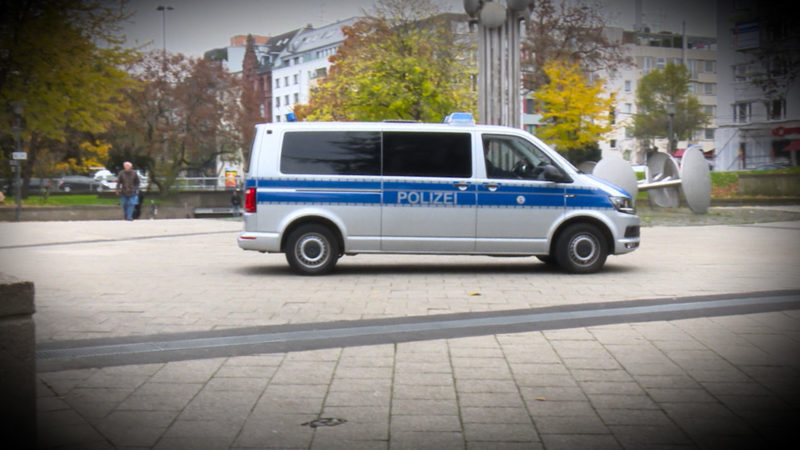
<point x="277" y="103"/>
<point x="776" y="109"/>
<point x="296" y="97"/>
<point x="628" y="86"/>
<point x="708" y="88"/>
<point x="709" y="67"/>
<point x="613" y="143"/>
<point x="261" y="110"/>
<point x="628" y="132"/>
<point x="530" y="106"/>
<point x="661" y="63"/>
<point x="286" y="98"/>
<point x="628" y="108"/>
<point x="710" y="110"/>
<point x="277" y="83"/>
<point x="296" y="78"/>
<point x="740" y="72"/>
<point x="709" y="133"/>
<point x="741" y="112"/>
<point x="647" y="65"/>
<point x="278" y="118"/>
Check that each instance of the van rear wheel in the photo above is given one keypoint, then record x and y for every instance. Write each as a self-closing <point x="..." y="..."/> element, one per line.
<point x="312" y="250"/>
<point x="581" y="248"/>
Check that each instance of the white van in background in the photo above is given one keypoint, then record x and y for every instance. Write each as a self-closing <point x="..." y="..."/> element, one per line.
<point x="318" y="191"/>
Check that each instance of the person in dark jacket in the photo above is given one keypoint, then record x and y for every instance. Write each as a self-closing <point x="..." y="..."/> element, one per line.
<point x="236" y="201"/>
<point x="137" y="210"/>
<point x="128" y="189"/>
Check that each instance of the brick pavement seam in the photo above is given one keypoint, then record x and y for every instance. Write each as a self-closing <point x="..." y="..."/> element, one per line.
<point x="78" y="354"/>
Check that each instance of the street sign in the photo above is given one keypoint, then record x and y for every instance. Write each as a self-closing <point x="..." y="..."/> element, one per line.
<point x="19" y="156"/>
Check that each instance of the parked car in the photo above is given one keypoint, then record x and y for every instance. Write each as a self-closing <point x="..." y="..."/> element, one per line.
<point x="107" y="180"/>
<point x="77" y="183"/>
<point x="772" y="166"/>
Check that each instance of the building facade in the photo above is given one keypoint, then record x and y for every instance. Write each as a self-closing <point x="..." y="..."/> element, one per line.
<point x="301" y="63"/>
<point x="758" y="107"/>
<point x="653" y="51"/>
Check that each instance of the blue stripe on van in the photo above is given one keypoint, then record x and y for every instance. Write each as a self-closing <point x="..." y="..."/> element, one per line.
<point x="434" y="193"/>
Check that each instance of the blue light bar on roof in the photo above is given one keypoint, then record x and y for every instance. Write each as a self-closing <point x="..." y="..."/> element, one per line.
<point x="460" y="118"/>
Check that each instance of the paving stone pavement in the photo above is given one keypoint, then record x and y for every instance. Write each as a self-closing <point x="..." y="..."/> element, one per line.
<point x="704" y="382"/>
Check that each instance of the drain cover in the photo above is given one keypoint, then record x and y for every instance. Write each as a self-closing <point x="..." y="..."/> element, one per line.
<point x="324" y="422"/>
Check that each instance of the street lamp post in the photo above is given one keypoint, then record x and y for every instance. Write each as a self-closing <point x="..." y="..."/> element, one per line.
<point x="671" y="113"/>
<point x="19" y="156"/>
<point x="164" y="9"/>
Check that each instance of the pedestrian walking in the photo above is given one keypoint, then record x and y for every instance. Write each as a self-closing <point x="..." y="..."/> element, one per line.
<point x="137" y="210"/>
<point x="128" y="189"/>
<point x="236" y="201"/>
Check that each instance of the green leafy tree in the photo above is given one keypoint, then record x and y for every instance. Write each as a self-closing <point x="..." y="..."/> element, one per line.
<point x="62" y="59"/>
<point x="654" y="93"/>
<point x="403" y="62"/>
<point x="575" y="111"/>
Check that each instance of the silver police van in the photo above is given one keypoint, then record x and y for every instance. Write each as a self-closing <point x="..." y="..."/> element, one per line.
<point x="318" y="191"/>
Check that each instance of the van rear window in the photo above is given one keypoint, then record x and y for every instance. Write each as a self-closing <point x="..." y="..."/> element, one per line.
<point x="413" y="154"/>
<point x="331" y="153"/>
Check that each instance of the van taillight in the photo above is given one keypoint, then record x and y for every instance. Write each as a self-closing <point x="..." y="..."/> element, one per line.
<point x="250" y="200"/>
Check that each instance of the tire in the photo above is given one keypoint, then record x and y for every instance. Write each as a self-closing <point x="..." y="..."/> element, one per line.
<point x="581" y="248"/>
<point x="312" y="250"/>
<point x="547" y="259"/>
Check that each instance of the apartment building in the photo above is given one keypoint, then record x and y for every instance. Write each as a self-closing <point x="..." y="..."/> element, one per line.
<point x="758" y="107"/>
<point x="301" y="63"/>
<point x="653" y="51"/>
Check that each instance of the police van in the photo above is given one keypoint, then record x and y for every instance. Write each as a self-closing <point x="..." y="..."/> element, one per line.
<point x="318" y="191"/>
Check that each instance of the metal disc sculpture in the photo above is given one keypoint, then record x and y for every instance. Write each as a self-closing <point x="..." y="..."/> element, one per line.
<point x="618" y="171"/>
<point x="664" y="179"/>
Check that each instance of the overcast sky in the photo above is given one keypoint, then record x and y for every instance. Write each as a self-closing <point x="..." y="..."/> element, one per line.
<point x="195" y="26"/>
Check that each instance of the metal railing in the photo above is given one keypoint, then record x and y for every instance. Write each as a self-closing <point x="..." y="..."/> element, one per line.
<point x="206" y="183"/>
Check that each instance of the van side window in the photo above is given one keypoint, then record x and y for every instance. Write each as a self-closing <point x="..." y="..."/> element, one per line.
<point x="331" y="153"/>
<point x="510" y="157"/>
<point x="427" y="154"/>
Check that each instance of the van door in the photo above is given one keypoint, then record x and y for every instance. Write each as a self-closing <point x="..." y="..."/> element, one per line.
<point x="428" y="195"/>
<point x="516" y="205"/>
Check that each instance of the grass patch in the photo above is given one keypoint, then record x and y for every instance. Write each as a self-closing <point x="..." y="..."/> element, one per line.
<point x="65" y="200"/>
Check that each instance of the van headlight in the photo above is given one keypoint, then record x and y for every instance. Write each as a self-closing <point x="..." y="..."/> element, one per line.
<point x="622" y="204"/>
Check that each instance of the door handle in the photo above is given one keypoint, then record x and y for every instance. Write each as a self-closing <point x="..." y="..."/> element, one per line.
<point x="491" y="187"/>
<point x="461" y="186"/>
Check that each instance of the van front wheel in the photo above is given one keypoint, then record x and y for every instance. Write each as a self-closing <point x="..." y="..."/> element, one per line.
<point x="312" y="250"/>
<point x="581" y="248"/>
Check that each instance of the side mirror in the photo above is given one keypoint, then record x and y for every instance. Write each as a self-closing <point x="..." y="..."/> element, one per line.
<point x="554" y="174"/>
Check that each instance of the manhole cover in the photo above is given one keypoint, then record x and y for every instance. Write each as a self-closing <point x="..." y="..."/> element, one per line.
<point x="324" y="422"/>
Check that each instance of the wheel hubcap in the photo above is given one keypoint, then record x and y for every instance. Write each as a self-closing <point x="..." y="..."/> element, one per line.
<point x="312" y="250"/>
<point x="583" y="249"/>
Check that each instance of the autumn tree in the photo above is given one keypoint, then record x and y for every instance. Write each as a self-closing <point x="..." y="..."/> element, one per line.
<point x="402" y="62"/>
<point x="657" y="90"/>
<point x="62" y="59"/>
<point x="183" y="115"/>
<point x="567" y="31"/>
<point x="575" y="111"/>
